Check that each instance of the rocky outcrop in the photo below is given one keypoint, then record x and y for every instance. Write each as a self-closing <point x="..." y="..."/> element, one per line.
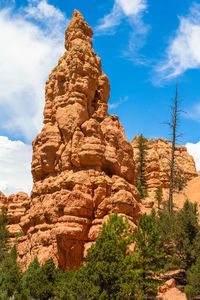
<point x="158" y="155"/>
<point x="82" y="167"/>
<point x="16" y="205"/>
<point x="3" y="200"/>
<point x="190" y="192"/>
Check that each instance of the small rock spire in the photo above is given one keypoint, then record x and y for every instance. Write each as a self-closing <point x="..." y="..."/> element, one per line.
<point x="76" y="30"/>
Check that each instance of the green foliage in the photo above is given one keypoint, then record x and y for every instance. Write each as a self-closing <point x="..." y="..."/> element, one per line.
<point x="4" y="234"/>
<point x="39" y="281"/>
<point x="67" y="284"/>
<point x="159" y="195"/>
<point x="19" y="234"/>
<point x="192" y="289"/>
<point x="180" y="232"/>
<point x="111" y="272"/>
<point x="179" y="183"/>
<point x="186" y="234"/>
<point x="141" y="182"/>
<point x="151" y="255"/>
<point x="104" y="276"/>
<point x="165" y="224"/>
<point x="9" y="270"/>
<point x="10" y="276"/>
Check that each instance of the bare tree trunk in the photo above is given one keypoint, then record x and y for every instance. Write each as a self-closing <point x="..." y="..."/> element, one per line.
<point x="174" y="135"/>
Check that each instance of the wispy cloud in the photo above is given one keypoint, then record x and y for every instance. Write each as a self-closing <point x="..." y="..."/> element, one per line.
<point x="15" y="166"/>
<point x="193" y="113"/>
<point x="116" y="104"/>
<point x="132" y="11"/>
<point x="183" y="52"/>
<point x="31" y="43"/>
<point x="194" y="150"/>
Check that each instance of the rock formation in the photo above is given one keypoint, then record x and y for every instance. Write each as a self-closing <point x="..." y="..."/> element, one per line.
<point x="82" y="166"/>
<point x="190" y="192"/>
<point x="16" y="205"/>
<point x="158" y="167"/>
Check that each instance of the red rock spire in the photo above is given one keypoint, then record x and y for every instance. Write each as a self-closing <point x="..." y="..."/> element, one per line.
<point x="82" y="165"/>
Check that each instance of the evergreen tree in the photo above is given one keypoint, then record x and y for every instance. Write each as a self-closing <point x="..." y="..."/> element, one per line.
<point x="159" y="195"/>
<point x="4" y="234"/>
<point x="105" y="258"/>
<point x="10" y="277"/>
<point x="151" y="255"/>
<point x="38" y="282"/>
<point x="180" y="232"/>
<point x="108" y="273"/>
<point x="186" y="234"/>
<point x="179" y="182"/>
<point x="192" y="289"/>
<point x="141" y="181"/>
<point x="165" y="224"/>
<point x="68" y="285"/>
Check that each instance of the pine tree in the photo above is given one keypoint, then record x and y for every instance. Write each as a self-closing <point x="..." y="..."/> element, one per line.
<point x="39" y="281"/>
<point x="192" y="289"/>
<point x="4" y="234"/>
<point x="179" y="182"/>
<point x="165" y="224"/>
<point x="159" y="195"/>
<point x="10" y="277"/>
<point x="151" y="255"/>
<point x="69" y="283"/>
<point x="108" y="273"/>
<point x="105" y="258"/>
<point x="141" y="181"/>
<point x="186" y="234"/>
<point x="180" y="232"/>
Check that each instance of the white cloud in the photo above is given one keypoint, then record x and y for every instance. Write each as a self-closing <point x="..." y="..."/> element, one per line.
<point x="132" y="10"/>
<point x="132" y="7"/>
<point x="15" y="166"/>
<point x="108" y="23"/>
<point x="194" y="150"/>
<point x="116" y="104"/>
<point x="32" y="40"/>
<point x="183" y="52"/>
<point x="121" y="9"/>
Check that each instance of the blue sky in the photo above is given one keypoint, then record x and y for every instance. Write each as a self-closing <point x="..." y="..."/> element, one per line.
<point x="145" y="47"/>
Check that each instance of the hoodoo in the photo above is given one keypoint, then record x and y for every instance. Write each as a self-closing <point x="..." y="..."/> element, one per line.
<point x="82" y="166"/>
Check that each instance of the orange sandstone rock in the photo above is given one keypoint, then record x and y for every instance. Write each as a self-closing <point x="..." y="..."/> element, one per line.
<point x="3" y="200"/>
<point x="82" y="167"/>
<point x="158" y="167"/>
<point x="16" y="205"/>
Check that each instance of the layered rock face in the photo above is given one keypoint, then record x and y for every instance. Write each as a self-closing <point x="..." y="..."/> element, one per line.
<point x="158" y="155"/>
<point x="16" y="206"/>
<point x="83" y="167"/>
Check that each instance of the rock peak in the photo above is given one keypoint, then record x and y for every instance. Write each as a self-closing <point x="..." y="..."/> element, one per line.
<point x="77" y="30"/>
<point x="82" y="164"/>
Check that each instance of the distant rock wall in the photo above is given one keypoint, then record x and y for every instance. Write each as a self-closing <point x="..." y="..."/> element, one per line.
<point x="158" y="164"/>
<point x="16" y="206"/>
<point x="83" y="167"/>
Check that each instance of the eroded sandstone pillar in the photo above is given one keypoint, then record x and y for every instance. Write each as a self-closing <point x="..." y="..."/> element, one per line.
<point x="82" y="167"/>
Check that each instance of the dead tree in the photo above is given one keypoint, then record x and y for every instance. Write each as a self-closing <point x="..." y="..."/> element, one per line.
<point x="175" y="113"/>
